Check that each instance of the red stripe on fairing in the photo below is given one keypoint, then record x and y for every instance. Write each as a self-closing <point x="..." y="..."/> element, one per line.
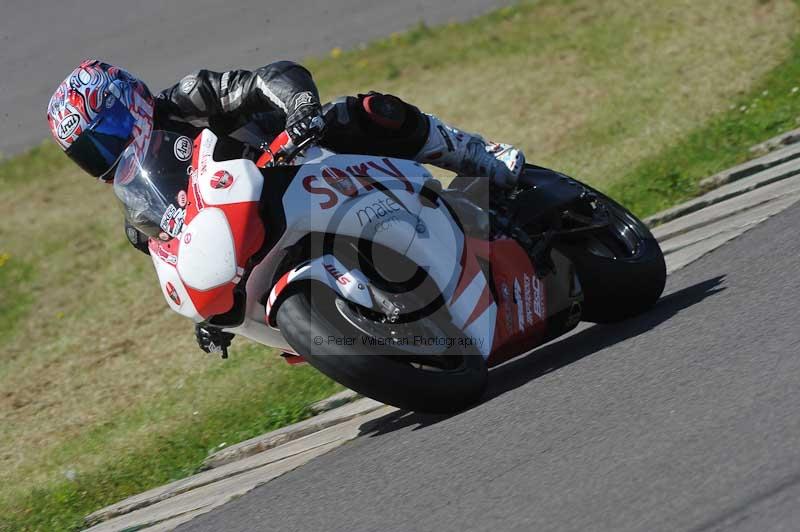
<point x="469" y="265"/>
<point x="208" y="303"/>
<point x="248" y="237"/>
<point x="195" y="199"/>
<point x="292" y="358"/>
<point x="212" y="302"/>
<point x="274" y="293"/>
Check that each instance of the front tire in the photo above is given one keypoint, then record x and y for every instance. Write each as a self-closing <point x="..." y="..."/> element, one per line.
<point x="384" y="373"/>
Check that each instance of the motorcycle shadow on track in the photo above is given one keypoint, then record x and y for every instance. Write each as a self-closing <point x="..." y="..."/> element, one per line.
<point x="556" y="355"/>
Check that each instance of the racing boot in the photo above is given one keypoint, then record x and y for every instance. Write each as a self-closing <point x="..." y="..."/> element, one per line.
<point x="469" y="155"/>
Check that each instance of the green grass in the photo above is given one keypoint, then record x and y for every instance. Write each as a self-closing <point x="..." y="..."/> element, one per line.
<point x="99" y="378"/>
<point x="61" y="505"/>
<point x="772" y="107"/>
<point x="14" y="274"/>
<point x="43" y="160"/>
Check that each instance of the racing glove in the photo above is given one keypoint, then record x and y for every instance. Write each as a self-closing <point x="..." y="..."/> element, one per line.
<point x="213" y="340"/>
<point x="305" y="122"/>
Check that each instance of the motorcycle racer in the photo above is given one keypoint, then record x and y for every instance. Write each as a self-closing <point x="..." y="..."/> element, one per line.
<point x="100" y="109"/>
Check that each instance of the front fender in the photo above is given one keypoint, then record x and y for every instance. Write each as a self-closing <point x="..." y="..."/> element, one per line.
<point x="351" y="285"/>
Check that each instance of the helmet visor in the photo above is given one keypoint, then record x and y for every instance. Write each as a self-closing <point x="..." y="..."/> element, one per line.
<point x="99" y="148"/>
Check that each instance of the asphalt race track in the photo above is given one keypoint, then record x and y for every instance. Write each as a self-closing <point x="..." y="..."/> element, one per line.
<point x="683" y="419"/>
<point x="41" y="41"/>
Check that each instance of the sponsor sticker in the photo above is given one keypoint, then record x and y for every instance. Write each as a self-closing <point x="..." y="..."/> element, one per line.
<point x="172" y="293"/>
<point x="339" y="180"/>
<point x="222" y="179"/>
<point x="528" y="299"/>
<point x="385" y="224"/>
<point x="188" y="238"/>
<point x="182" y="199"/>
<point x="505" y="294"/>
<point x="538" y="298"/>
<point x="198" y="198"/>
<point x="183" y="149"/>
<point x="341" y="278"/>
<point x="364" y="172"/>
<point x="520" y="310"/>
<point x="172" y="221"/>
<point x="377" y="211"/>
<point x="67" y="126"/>
<point x="166" y="256"/>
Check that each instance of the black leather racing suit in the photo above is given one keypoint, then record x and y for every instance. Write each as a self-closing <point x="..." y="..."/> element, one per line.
<point x="278" y="93"/>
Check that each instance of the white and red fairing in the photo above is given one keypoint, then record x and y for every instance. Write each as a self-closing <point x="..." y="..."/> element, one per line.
<point x="369" y="197"/>
<point x="200" y="268"/>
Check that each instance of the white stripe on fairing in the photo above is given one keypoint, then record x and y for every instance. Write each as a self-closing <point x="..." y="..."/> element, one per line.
<point x="269" y="94"/>
<point x="483" y="329"/>
<point x="466" y="302"/>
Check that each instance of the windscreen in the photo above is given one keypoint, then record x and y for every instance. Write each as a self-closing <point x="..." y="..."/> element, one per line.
<point x="152" y="186"/>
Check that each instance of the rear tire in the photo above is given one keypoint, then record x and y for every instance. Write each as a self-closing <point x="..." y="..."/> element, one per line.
<point x="622" y="271"/>
<point x="384" y="372"/>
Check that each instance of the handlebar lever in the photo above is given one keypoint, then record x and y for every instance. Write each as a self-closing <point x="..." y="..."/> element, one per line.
<point x="282" y="150"/>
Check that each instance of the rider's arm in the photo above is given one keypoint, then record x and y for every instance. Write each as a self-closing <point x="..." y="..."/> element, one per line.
<point x="224" y="101"/>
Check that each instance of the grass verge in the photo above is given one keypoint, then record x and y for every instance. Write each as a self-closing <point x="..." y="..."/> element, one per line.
<point x="172" y="454"/>
<point x="672" y="176"/>
<point x="99" y="387"/>
<point x="14" y="274"/>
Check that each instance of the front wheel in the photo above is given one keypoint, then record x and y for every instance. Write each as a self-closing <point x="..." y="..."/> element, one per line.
<point x="621" y="268"/>
<point x="330" y="335"/>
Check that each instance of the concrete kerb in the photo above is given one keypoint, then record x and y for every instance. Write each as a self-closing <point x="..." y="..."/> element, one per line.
<point x="771" y="174"/>
<point x="290" y="433"/>
<point x="344" y="426"/>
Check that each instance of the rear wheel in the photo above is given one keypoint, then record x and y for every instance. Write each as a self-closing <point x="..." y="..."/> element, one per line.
<point x="385" y="361"/>
<point x="621" y="267"/>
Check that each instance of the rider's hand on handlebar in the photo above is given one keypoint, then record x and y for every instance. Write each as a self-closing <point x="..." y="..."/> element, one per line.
<point x="305" y="123"/>
<point x="213" y="340"/>
<point x="303" y="127"/>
